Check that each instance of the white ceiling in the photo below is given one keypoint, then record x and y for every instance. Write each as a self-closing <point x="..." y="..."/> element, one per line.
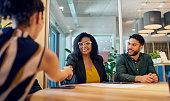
<point x="109" y="8"/>
<point x="93" y="8"/>
<point x="98" y="17"/>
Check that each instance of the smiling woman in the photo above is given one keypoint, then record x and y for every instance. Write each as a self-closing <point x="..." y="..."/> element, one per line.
<point x="85" y="46"/>
<point x="87" y="64"/>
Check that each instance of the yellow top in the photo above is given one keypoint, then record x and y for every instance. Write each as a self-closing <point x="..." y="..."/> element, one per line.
<point x="92" y="76"/>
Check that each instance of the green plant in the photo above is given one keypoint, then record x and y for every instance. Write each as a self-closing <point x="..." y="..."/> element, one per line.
<point x="67" y="50"/>
<point x="5" y="25"/>
<point x="155" y="54"/>
<point x="111" y="64"/>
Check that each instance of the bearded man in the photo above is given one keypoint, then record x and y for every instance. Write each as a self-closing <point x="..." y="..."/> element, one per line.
<point x="135" y="66"/>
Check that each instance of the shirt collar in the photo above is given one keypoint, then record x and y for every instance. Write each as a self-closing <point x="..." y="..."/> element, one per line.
<point x="140" y="55"/>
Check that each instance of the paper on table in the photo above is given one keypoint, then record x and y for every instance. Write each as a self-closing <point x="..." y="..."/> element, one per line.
<point x="113" y="85"/>
<point x="164" y="57"/>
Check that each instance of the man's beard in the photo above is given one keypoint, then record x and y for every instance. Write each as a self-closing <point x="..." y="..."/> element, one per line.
<point x="135" y="52"/>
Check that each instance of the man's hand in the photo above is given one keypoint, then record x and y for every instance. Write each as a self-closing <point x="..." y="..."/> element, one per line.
<point x="150" y="78"/>
<point x="69" y="70"/>
<point x="146" y="79"/>
<point x="155" y="78"/>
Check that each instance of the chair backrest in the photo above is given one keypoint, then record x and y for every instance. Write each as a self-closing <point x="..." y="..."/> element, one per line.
<point x="115" y="78"/>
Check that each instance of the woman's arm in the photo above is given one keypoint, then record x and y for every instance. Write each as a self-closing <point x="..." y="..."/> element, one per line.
<point x="50" y="64"/>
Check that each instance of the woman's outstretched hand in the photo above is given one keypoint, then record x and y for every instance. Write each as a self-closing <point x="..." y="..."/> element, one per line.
<point x="69" y="70"/>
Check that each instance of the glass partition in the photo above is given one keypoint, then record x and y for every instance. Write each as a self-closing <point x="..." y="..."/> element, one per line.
<point x="101" y="19"/>
<point x="139" y="15"/>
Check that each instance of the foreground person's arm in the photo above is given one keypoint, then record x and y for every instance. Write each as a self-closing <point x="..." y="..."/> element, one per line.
<point x="50" y="64"/>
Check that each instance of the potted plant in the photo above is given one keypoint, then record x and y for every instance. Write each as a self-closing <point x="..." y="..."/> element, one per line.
<point x="110" y="65"/>
<point x="67" y="50"/>
<point x="155" y="56"/>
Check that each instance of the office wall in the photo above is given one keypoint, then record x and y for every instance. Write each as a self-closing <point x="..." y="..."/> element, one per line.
<point x="93" y="25"/>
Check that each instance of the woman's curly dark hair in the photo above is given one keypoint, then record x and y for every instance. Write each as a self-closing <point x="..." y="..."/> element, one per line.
<point x="76" y="50"/>
<point x="20" y="10"/>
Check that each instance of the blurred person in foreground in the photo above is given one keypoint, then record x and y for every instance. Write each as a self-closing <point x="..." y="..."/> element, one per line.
<point x="35" y="87"/>
<point x="87" y="64"/>
<point x="21" y="58"/>
<point x="135" y="66"/>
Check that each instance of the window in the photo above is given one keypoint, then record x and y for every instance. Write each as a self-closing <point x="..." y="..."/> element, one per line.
<point x="52" y="45"/>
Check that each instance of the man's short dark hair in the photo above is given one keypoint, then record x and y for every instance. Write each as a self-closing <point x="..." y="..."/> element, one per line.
<point x="139" y="38"/>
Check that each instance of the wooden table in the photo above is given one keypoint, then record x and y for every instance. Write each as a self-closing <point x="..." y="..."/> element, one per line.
<point x="149" y="92"/>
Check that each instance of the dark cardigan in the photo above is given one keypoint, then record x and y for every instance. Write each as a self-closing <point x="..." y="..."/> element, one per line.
<point x="79" y="72"/>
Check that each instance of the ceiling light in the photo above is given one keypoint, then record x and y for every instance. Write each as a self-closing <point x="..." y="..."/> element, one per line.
<point x="168" y="34"/>
<point x="161" y="4"/>
<point x="143" y="34"/>
<point x="145" y="31"/>
<point x="70" y="30"/>
<point x="155" y="9"/>
<point x="144" y="3"/>
<point x="154" y="35"/>
<point x="135" y="28"/>
<point x="141" y="27"/>
<point x="162" y="30"/>
<point x="167" y="20"/>
<point x="152" y="20"/>
<point x="161" y="34"/>
<point x="139" y="9"/>
<point x="129" y="21"/>
<point x="62" y="8"/>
